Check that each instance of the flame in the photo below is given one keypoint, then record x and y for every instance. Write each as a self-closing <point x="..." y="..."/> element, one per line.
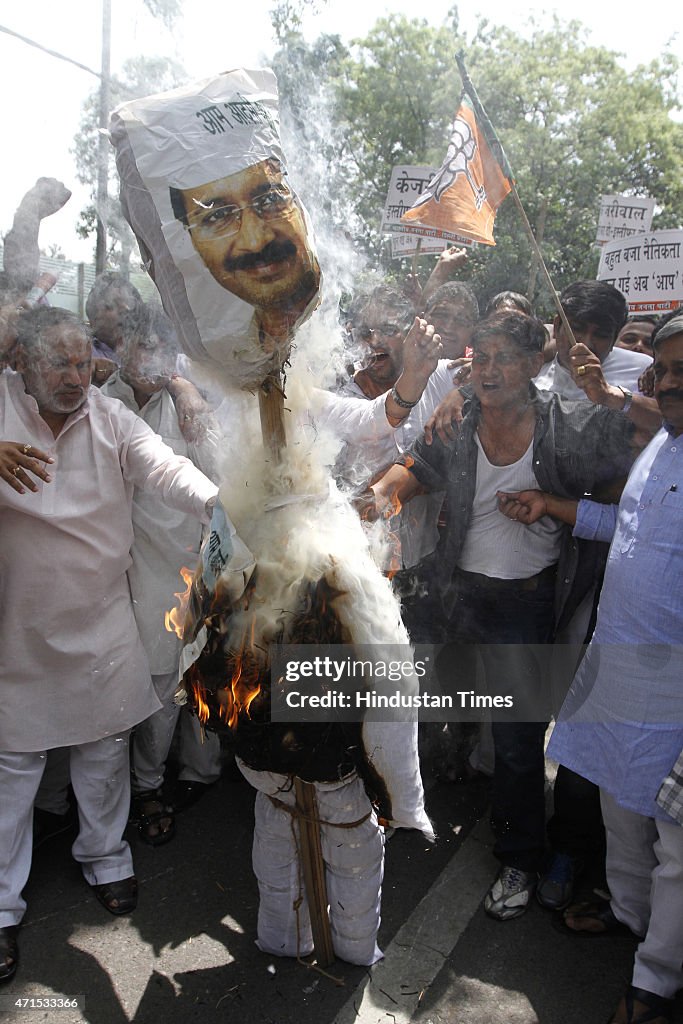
<point x="201" y="707"/>
<point x="244" y="685"/>
<point x="395" y="506"/>
<point x="175" y="618"/>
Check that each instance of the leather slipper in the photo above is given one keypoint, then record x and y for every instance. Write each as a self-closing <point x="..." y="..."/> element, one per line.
<point x="118" y="897"/>
<point x="9" y="952"/>
<point x="638" y="1006"/>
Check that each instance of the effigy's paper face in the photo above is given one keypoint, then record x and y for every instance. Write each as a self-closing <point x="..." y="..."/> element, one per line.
<point x="226" y="239"/>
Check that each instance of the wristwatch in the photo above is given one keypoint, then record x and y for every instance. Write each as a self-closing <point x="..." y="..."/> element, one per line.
<point x="628" y="398"/>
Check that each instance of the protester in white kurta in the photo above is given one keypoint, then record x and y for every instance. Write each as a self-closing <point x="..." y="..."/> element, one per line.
<point x="74" y="672"/>
<point x="166" y="540"/>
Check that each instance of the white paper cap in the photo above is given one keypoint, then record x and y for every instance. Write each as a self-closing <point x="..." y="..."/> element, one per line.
<point x="206" y="130"/>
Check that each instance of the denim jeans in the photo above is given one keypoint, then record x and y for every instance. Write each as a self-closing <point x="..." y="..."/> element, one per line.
<point x="507" y="620"/>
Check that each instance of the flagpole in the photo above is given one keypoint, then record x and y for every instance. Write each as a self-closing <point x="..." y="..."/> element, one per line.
<point x="499" y="154"/>
<point x="416" y="254"/>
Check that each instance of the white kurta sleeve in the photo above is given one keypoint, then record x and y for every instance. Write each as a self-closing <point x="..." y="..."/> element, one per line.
<point x="154" y="467"/>
<point x="354" y="419"/>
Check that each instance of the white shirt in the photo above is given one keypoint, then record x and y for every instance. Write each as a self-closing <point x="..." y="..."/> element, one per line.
<point x="621" y="368"/>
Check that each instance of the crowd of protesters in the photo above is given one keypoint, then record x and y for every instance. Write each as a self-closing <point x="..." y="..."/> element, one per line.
<point x="533" y="486"/>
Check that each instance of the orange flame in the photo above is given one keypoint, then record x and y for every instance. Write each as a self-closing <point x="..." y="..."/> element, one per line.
<point x="175" y="618"/>
<point x="244" y="685"/>
<point x="201" y="706"/>
<point x="395" y="506"/>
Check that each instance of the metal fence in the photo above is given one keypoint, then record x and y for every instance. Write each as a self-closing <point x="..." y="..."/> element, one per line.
<point x="74" y="281"/>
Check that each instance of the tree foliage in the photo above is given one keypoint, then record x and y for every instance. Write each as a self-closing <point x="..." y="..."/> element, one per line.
<point x="166" y="10"/>
<point x="574" y="123"/>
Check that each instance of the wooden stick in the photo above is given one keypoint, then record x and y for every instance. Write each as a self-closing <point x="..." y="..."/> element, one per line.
<point x="541" y="262"/>
<point x="314" y="871"/>
<point x="271" y="400"/>
<point x="416" y="254"/>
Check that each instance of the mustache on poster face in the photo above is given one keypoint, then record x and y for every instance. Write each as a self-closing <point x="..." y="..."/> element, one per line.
<point x="274" y="252"/>
<point x="671" y="393"/>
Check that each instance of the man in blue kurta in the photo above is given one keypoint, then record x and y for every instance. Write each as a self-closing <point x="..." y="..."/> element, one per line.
<point x="621" y="725"/>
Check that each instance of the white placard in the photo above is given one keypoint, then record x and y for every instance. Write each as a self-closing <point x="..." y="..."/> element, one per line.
<point x="406" y="245"/>
<point x="405" y="186"/>
<point x="647" y="270"/>
<point x="623" y="216"/>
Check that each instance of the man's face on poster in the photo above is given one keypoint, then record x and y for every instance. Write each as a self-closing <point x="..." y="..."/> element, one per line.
<point x="250" y="233"/>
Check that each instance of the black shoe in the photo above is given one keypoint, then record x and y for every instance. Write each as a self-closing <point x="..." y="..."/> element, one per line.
<point x="47" y="825"/>
<point x="9" y="952"/>
<point x="188" y="793"/>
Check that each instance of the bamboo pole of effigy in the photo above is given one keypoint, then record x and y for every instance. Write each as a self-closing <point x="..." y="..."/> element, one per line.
<point x="271" y="410"/>
<point x="313" y="868"/>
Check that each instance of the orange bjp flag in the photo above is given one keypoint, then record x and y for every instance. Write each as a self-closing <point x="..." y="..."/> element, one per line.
<point x="468" y="188"/>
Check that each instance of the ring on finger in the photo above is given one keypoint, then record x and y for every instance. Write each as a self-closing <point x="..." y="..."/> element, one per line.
<point x="581" y="370"/>
<point x="27" y="449"/>
<point x="15" y="471"/>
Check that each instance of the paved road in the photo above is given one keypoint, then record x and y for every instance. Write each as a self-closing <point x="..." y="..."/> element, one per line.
<point x="188" y="955"/>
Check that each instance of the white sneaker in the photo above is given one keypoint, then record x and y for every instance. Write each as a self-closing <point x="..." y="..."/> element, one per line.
<point x="509" y="895"/>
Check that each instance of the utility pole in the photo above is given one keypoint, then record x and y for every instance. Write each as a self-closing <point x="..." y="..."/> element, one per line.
<point x="103" y="144"/>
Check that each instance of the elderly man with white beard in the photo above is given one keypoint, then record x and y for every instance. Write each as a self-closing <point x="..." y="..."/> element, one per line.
<point x="74" y="672"/>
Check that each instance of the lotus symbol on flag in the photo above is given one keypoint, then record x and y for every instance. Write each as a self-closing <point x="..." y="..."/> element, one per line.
<point x="461" y="149"/>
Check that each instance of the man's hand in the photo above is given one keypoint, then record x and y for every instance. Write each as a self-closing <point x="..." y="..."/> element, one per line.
<point x="463" y="370"/>
<point x="47" y="196"/>
<point x="193" y="412"/>
<point x="446" y="262"/>
<point x="524" y="506"/>
<point x="18" y="461"/>
<point x="450" y="259"/>
<point x="365" y="505"/>
<point x="102" y="370"/>
<point x="422" y="349"/>
<point x="529" y="506"/>
<point x="445" y="419"/>
<point x="587" y="374"/>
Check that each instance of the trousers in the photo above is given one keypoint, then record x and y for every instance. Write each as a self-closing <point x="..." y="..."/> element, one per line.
<point x="100" y="778"/>
<point x="645" y="878"/>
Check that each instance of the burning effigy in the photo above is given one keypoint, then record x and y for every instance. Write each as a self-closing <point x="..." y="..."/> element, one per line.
<point x="230" y="247"/>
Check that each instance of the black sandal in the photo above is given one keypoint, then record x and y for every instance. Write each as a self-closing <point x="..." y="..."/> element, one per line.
<point x="118" y="897"/>
<point x="9" y="952"/>
<point x="153" y="816"/>
<point x="657" y="1009"/>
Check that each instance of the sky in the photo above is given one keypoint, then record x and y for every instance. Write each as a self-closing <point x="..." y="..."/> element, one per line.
<point x="42" y="96"/>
